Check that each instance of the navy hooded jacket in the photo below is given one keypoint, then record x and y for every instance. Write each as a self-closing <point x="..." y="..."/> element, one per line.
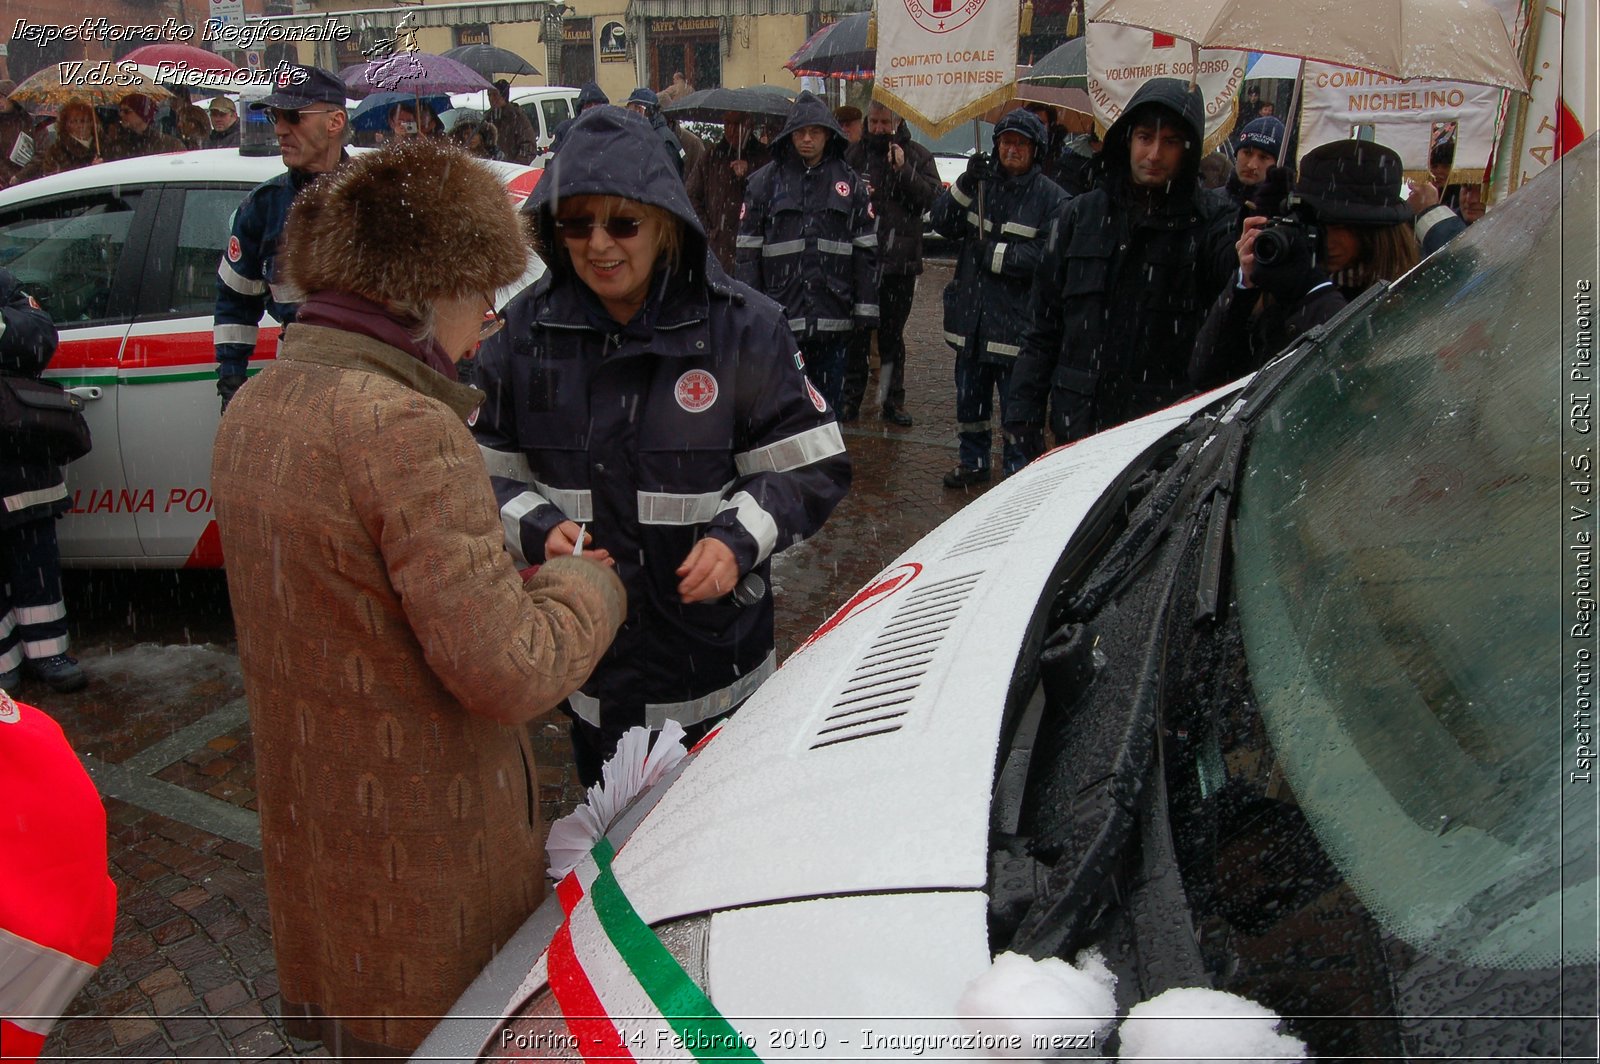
<point x="988" y="297"/>
<point x="807" y="235"/>
<point x="692" y="420"/>
<point x="1127" y="277"/>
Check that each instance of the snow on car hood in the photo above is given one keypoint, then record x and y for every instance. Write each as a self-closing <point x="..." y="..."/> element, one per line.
<point x="866" y="763"/>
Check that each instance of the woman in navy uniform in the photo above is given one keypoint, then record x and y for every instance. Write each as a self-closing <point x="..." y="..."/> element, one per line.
<point x="643" y="404"/>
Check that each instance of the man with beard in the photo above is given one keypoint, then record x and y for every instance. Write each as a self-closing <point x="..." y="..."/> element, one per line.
<point x="1130" y="271"/>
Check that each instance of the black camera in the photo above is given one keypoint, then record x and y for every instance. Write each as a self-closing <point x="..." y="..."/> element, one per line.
<point x="1290" y="236"/>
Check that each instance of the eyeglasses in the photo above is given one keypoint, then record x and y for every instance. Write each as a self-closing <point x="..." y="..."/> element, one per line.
<point x="291" y="115"/>
<point x="579" y="227"/>
<point x="493" y="321"/>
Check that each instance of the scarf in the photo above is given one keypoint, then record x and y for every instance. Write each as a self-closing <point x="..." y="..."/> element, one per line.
<point x="352" y="313"/>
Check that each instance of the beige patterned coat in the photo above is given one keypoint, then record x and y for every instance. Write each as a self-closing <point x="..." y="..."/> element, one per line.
<point x="391" y="657"/>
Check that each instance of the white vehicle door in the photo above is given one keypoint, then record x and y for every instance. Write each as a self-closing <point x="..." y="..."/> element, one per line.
<point x="79" y="255"/>
<point x="169" y="407"/>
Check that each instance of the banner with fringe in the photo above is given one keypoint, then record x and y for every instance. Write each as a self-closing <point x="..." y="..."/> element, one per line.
<point x="942" y="62"/>
<point x="1122" y="58"/>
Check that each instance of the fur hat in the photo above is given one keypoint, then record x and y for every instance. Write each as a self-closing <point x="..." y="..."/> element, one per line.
<point x="1354" y="182"/>
<point x="416" y="221"/>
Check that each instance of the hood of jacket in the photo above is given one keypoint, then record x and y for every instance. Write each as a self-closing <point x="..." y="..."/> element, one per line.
<point x="1174" y="97"/>
<point x="809" y="111"/>
<point x="591" y="94"/>
<point x="610" y="151"/>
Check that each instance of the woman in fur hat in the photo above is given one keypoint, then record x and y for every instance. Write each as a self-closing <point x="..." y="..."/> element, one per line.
<point x="392" y="653"/>
<point x="643" y="404"/>
<point x="1359" y="230"/>
<point x="75" y="144"/>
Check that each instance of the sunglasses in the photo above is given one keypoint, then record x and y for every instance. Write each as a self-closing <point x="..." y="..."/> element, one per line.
<point x="493" y="321"/>
<point x="291" y="115"/>
<point x="579" y="227"/>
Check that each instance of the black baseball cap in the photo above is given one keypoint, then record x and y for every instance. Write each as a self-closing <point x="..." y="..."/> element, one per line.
<point x="301" y="86"/>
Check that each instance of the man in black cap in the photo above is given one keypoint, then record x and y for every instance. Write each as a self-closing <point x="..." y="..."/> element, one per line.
<point x="644" y="103"/>
<point x="517" y="140"/>
<point x="307" y="111"/>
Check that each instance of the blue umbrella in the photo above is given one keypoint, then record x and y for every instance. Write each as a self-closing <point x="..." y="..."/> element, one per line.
<point x="373" y="114"/>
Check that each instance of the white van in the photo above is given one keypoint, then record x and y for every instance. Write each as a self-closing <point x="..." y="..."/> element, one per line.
<point x="546" y="106"/>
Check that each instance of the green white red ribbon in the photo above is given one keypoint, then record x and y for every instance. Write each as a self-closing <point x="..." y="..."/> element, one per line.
<point x="623" y="995"/>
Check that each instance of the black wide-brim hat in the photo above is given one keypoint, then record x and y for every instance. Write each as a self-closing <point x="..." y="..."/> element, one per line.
<point x="1354" y="182"/>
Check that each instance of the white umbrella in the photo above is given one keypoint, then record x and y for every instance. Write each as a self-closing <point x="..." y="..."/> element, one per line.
<point x="1453" y="40"/>
<point x="1274" y="67"/>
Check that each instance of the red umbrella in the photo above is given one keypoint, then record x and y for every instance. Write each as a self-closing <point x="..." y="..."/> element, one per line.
<point x="180" y="56"/>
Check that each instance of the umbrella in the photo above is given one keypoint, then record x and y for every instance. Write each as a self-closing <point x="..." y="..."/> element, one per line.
<point x="488" y="60"/>
<point x="1272" y="67"/>
<point x="416" y="73"/>
<point x="1065" y="67"/>
<point x="839" y="50"/>
<point x="709" y="105"/>
<point x="373" y="113"/>
<point x="182" y="64"/>
<point x="45" y="87"/>
<point x="1454" y="40"/>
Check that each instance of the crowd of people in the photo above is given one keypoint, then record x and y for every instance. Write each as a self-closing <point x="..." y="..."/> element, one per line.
<point x="647" y="426"/>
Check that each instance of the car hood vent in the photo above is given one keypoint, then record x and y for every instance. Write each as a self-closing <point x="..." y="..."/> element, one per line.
<point x="879" y="694"/>
<point x="1006" y="519"/>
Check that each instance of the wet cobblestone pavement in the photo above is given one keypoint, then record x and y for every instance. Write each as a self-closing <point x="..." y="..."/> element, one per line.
<point x="164" y="731"/>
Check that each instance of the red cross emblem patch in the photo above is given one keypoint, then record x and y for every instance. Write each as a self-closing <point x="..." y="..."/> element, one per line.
<point x="843" y="189"/>
<point x="696" y="390"/>
<point x="233" y="249"/>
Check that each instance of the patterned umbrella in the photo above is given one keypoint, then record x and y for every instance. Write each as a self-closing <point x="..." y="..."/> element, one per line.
<point x="417" y="73"/>
<point x="45" y="88"/>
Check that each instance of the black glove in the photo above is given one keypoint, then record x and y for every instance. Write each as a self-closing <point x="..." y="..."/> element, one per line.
<point x="980" y="166"/>
<point x="1290" y="272"/>
<point x="1271" y="196"/>
<point x="227" y="385"/>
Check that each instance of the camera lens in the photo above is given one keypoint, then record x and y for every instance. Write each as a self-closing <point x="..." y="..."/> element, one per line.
<point x="1272" y="246"/>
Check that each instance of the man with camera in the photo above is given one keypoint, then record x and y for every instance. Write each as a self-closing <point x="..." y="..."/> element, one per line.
<point x="903" y="181"/>
<point x="1129" y="273"/>
<point x="998" y="211"/>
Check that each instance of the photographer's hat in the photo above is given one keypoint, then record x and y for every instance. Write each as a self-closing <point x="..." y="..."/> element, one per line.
<point x="1262" y="134"/>
<point x="1354" y="182"/>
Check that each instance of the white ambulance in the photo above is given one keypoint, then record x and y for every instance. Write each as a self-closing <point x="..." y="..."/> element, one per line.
<point x="124" y="257"/>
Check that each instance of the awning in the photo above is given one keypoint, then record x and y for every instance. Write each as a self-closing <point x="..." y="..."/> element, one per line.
<point x="434" y="16"/>
<point x="639" y="10"/>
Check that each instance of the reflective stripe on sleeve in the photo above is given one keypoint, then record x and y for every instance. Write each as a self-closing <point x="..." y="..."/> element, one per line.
<point x="959" y="196"/>
<point x="511" y="515"/>
<point x="695" y="710"/>
<point x="574" y="502"/>
<point x="782" y="247"/>
<point x="834" y="325"/>
<point x="1027" y="232"/>
<point x="955" y="340"/>
<point x="512" y="465"/>
<point x="237" y="281"/>
<point x="868" y="241"/>
<point x="235" y="334"/>
<point x="982" y="226"/>
<point x="37" y="983"/>
<point x="587" y="708"/>
<point x="8" y="622"/>
<point x="666" y="508"/>
<point x="754" y="520"/>
<point x="11" y="658"/>
<point x="749" y="241"/>
<point x="24" y="499"/>
<point x="802" y="449"/>
<point x="863" y="310"/>
<point x="998" y="263"/>
<point x="1009" y="350"/>
<point x="833" y="247"/>
<point x="797" y="325"/>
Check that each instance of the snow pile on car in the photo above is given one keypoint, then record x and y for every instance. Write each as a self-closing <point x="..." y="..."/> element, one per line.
<point x="1055" y="1008"/>
<point x="1195" y="1023"/>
